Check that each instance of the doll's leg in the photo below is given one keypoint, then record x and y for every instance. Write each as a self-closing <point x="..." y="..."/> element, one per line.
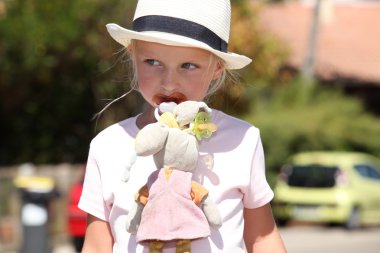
<point x="183" y="246"/>
<point x="156" y="246"/>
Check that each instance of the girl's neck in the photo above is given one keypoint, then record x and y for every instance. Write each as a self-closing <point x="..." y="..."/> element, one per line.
<point x="145" y="118"/>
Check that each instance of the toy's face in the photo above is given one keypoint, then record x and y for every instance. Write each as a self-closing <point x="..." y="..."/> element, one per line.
<point x="173" y="143"/>
<point x="180" y="151"/>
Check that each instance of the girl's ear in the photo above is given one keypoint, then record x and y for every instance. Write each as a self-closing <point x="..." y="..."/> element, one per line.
<point x="218" y="70"/>
<point x="130" y="48"/>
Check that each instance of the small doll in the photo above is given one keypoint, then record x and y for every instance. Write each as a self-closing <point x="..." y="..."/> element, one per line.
<point x="171" y="206"/>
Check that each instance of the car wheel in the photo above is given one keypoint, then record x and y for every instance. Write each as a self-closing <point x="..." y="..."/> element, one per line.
<point x="353" y="221"/>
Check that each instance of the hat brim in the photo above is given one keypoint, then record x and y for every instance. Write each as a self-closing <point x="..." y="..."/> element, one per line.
<point x="124" y="37"/>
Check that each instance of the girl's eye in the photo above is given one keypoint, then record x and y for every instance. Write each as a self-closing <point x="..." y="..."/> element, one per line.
<point x="152" y="62"/>
<point x="189" y="66"/>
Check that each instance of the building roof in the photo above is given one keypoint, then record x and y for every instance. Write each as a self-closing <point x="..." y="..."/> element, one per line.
<point x="348" y="44"/>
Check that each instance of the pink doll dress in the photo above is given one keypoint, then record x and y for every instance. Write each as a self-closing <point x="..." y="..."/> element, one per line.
<point x="170" y="213"/>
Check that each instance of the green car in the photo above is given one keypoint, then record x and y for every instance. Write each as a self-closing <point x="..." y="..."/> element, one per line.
<point x="329" y="187"/>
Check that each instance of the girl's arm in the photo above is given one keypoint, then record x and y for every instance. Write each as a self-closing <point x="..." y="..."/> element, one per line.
<point x="98" y="237"/>
<point x="260" y="231"/>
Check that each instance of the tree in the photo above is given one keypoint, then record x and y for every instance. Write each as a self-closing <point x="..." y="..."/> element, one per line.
<point x="247" y="37"/>
<point x="304" y="117"/>
<point x="55" y="61"/>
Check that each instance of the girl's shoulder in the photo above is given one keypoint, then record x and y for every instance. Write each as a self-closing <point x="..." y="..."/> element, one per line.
<point x="228" y="122"/>
<point x="125" y="129"/>
<point x="231" y="129"/>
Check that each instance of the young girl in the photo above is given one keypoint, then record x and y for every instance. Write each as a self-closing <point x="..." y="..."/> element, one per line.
<point x="179" y="53"/>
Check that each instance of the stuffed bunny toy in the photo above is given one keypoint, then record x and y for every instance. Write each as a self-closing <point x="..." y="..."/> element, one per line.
<point x="171" y="206"/>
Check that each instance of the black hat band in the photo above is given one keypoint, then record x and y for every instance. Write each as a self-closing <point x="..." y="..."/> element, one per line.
<point x="180" y="27"/>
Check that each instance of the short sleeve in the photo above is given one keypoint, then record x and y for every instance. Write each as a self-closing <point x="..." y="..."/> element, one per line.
<point x="92" y="200"/>
<point x="258" y="192"/>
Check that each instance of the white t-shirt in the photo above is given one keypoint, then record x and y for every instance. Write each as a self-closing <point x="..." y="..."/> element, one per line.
<point x="231" y="166"/>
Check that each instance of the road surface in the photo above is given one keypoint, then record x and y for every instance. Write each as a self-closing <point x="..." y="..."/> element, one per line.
<point x="315" y="239"/>
<point x="318" y="239"/>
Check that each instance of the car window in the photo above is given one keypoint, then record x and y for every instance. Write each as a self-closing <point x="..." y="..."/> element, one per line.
<point x="367" y="171"/>
<point x="312" y="176"/>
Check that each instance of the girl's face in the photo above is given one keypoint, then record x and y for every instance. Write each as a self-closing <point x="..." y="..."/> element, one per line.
<point x="171" y="73"/>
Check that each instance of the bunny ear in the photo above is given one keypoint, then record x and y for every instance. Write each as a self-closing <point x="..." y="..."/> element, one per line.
<point x="151" y="139"/>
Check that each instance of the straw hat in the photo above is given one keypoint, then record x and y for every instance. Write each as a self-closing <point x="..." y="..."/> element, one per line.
<point x="203" y="24"/>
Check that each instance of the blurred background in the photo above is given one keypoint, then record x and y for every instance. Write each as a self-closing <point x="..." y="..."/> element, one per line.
<point x="314" y="85"/>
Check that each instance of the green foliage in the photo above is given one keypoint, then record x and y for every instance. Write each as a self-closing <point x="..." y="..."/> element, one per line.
<point x="305" y="116"/>
<point x="250" y="39"/>
<point x="247" y="37"/>
<point x="54" y="57"/>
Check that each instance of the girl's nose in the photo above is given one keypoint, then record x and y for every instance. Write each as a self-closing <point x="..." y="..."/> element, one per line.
<point x="169" y="80"/>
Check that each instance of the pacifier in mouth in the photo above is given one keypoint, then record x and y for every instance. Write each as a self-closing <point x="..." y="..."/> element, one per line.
<point x="164" y="107"/>
<point x="167" y="103"/>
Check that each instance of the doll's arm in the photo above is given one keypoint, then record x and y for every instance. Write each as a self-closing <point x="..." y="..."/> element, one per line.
<point x="201" y="198"/>
<point x="134" y="215"/>
<point x="211" y="212"/>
